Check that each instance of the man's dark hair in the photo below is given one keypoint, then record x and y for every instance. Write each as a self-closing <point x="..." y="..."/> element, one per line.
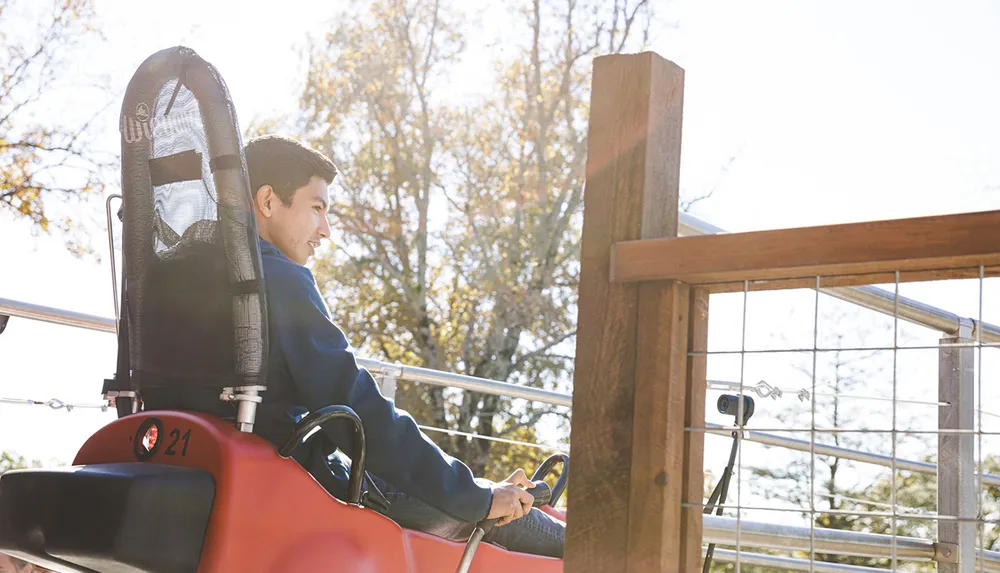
<point x="285" y="164"/>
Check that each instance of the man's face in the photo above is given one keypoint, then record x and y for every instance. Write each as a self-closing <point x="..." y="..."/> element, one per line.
<point x="295" y="229"/>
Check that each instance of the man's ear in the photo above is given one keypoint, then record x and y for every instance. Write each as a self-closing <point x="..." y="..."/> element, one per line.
<point x="264" y="200"/>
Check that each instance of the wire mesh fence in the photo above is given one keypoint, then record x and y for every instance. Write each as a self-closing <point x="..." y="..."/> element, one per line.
<point x="863" y="422"/>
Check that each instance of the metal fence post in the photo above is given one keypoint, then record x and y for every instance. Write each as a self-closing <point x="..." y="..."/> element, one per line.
<point x="387" y="383"/>
<point x="956" y="478"/>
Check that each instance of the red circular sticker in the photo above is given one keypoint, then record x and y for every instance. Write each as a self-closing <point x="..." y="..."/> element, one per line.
<point x="147" y="439"/>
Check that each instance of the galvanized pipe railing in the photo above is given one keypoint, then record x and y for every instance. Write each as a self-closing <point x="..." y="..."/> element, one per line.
<point x="412" y="373"/>
<point x="839" y="452"/>
<point x="484" y="385"/>
<point x="41" y="313"/>
<point x="722" y="530"/>
<point x="789" y="563"/>
<point x="427" y="376"/>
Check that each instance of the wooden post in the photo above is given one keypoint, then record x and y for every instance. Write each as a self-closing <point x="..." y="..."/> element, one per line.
<point x="694" y="442"/>
<point x="629" y="395"/>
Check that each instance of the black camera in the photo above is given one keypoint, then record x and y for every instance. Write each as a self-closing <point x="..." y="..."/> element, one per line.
<point x="728" y="404"/>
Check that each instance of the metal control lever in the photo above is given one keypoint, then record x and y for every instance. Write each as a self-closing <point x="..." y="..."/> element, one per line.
<point x="542" y="494"/>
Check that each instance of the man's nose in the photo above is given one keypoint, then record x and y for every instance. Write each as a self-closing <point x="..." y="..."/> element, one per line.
<point x="324" y="227"/>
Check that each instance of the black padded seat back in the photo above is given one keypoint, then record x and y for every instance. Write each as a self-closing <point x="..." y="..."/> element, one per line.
<point x="187" y="334"/>
<point x="110" y="518"/>
<point x="193" y="305"/>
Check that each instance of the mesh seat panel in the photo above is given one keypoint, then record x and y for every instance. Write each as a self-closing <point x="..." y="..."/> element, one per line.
<point x="193" y="297"/>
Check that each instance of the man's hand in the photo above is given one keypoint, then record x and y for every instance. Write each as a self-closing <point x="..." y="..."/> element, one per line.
<point x="509" y="501"/>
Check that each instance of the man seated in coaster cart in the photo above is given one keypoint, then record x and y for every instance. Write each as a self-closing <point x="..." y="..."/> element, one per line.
<point x="236" y="392"/>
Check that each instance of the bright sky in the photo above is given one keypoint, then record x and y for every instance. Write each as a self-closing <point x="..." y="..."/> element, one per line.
<point x="838" y="112"/>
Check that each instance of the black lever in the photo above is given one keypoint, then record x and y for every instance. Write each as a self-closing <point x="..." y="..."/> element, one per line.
<point x="320" y="417"/>
<point x="542" y="494"/>
<point x="547" y="467"/>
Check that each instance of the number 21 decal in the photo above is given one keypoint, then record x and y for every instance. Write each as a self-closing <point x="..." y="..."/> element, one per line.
<point x="176" y="436"/>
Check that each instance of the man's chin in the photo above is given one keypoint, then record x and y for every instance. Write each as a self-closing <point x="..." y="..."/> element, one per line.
<point x="310" y="255"/>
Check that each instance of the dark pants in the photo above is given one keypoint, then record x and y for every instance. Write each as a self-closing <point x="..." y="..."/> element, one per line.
<point x="536" y="533"/>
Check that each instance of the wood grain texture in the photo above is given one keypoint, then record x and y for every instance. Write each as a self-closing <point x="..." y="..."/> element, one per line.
<point x="635" y="122"/>
<point x="693" y="487"/>
<point x="654" y="529"/>
<point x="924" y="243"/>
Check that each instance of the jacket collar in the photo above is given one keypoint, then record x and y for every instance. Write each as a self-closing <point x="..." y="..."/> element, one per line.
<point x="267" y="248"/>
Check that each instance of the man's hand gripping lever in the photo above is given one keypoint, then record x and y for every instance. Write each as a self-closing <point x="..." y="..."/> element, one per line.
<point x="510" y="502"/>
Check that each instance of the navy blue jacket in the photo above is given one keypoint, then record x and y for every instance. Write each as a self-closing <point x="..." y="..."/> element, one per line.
<point x="310" y="366"/>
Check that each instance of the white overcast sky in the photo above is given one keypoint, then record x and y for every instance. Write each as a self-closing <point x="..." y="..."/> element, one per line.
<point x="835" y="112"/>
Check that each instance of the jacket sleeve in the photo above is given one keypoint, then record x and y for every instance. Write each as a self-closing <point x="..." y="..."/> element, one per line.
<point x="324" y="372"/>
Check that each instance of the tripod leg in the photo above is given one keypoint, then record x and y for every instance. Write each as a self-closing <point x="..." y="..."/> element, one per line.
<point x="722" y="489"/>
<point x="710" y="504"/>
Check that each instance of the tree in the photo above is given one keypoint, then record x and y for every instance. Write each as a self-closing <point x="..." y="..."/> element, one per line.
<point x="11" y="461"/>
<point x="39" y="157"/>
<point x="460" y="224"/>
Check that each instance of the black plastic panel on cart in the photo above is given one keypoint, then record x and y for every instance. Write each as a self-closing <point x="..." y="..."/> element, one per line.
<point x="108" y="518"/>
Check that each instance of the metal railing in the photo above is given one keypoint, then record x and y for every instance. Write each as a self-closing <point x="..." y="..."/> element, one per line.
<point x="720" y="530"/>
<point x="789" y="563"/>
<point x="51" y="315"/>
<point x="723" y="530"/>
<point x="840" y="452"/>
<point x="41" y="313"/>
<point x="447" y="379"/>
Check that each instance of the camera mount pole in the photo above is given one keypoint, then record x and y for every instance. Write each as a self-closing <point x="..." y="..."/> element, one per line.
<point x="719" y="493"/>
<point x="732" y="405"/>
